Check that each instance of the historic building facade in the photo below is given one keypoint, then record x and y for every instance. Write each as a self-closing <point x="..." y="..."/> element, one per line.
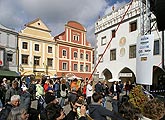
<point x="8" y="52"/>
<point x="74" y="53"/>
<point x="36" y="50"/>
<point x="119" y="60"/>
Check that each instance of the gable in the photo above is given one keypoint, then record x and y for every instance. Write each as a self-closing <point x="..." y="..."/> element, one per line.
<point x="38" y="24"/>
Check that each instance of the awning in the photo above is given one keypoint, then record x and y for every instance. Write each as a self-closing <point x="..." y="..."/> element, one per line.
<point x="8" y="73"/>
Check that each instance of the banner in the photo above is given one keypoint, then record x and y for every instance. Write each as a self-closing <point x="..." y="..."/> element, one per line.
<point x="144" y="59"/>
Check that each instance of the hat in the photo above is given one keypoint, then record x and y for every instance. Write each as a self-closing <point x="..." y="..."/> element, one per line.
<point x="49" y="97"/>
<point x="4" y="79"/>
<point x="24" y="88"/>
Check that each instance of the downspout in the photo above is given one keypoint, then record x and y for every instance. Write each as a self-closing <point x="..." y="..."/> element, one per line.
<point x="163" y="67"/>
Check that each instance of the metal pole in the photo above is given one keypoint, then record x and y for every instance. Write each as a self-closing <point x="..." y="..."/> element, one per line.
<point x="163" y="67"/>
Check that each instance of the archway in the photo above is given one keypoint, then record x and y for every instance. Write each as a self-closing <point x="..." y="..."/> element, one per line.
<point x="107" y="74"/>
<point x="127" y="74"/>
<point x="158" y="79"/>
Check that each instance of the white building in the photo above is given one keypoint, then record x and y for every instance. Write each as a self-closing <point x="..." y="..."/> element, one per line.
<point x="119" y="60"/>
<point x="8" y="52"/>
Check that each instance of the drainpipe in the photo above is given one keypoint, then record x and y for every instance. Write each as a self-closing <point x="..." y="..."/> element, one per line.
<point x="163" y="67"/>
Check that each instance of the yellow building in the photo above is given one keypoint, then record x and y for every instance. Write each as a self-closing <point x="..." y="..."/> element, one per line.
<point x="36" y="50"/>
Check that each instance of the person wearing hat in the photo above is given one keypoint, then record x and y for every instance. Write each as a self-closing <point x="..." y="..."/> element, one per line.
<point x="5" y="84"/>
<point x="49" y="98"/>
<point x="25" y="98"/>
<point x="14" y="90"/>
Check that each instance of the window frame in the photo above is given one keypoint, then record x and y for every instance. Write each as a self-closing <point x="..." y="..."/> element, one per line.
<point x="37" y="47"/>
<point x="103" y="40"/>
<point x="81" y="67"/>
<point x="24" y="59"/>
<point x="9" y="57"/>
<point x="132" y="51"/>
<point x="64" y="63"/>
<point x="156" y="48"/>
<point x="64" y="52"/>
<point x="113" y="33"/>
<point x="133" y="26"/>
<point x="113" y="54"/>
<point x="25" y="45"/>
<point x="75" y="67"/>
<point x="37" y="60"/>
<point x="50" y="62"/>
<point x="50" y="49"/>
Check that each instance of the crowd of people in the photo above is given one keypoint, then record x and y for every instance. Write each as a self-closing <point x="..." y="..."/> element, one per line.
<point x="87" y="101"/>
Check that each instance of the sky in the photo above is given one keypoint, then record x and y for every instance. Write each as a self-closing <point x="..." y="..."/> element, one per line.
<point x="56" y="13"/>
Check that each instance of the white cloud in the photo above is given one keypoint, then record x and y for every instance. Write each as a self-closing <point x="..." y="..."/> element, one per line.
<point x="54" y="13"/>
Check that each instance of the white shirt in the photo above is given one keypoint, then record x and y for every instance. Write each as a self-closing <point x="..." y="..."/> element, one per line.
<point x="89" y="91"/>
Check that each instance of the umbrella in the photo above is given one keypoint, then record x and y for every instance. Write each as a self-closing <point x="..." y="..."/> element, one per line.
<point x="114" y="79"/>
<point x="55" y="77"/>
<point x="74" y="77"/>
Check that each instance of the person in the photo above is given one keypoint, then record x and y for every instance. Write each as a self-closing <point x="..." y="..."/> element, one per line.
<point x="63" y="88"/>
<point x="14" y="102"/>
<point x="46" y="85"/>
<point x="89" y="92"/>
<point x="129" y="112"/>
<point x="98" y="87"/>
<point x="32" y="90"/>
<point x="18" y="113"/>
<point x="115" y="89"/>
<point x="98" y="112"/>
<point x="39" y="89"/>
<point x="14" y="90"/>
<point x="154" y="109"/>
<point x="56" y="87"/>
<point x="2" y="95"/>
<point x="56" y="112"/>
<point x="5" y="84"/>
<point x="49" y="98"/>
<point x="105" y="93"/>
<point x="25" y="98"/>
<point x="73" y="96"/>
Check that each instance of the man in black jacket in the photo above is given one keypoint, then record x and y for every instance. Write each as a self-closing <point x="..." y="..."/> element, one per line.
<point x="98" y="112"/>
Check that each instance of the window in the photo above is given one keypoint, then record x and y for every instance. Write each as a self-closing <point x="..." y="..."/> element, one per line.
<point x="113" y="33"/>
<point x="63" y="52"/>
<point x="156" y="47"/>
<point x="64" y="66"/>
<point x="87" y="56"/>
<point x="87" y="68"/>
<point x="50" y="62"/>
<point x="10" y="57"/>
<point x="75" y="67"/>
<point x="101" y="58"/>
<point x="113" y="54"/>
<point x="82" y="56"/>
<point x="25" y="59"/>
<point x="132" y="51"/>
<point x="76" y="37"/>
<point x="133" y="26"/>
<point x="24" y="45"/>
<point x="49" y="49"/>
<point x="36" y="60"/>
<point x="81" y="68"/>
<point x="36" y="47"/>
<point x="75" y="54"/>
<point x="103" y="40"/>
